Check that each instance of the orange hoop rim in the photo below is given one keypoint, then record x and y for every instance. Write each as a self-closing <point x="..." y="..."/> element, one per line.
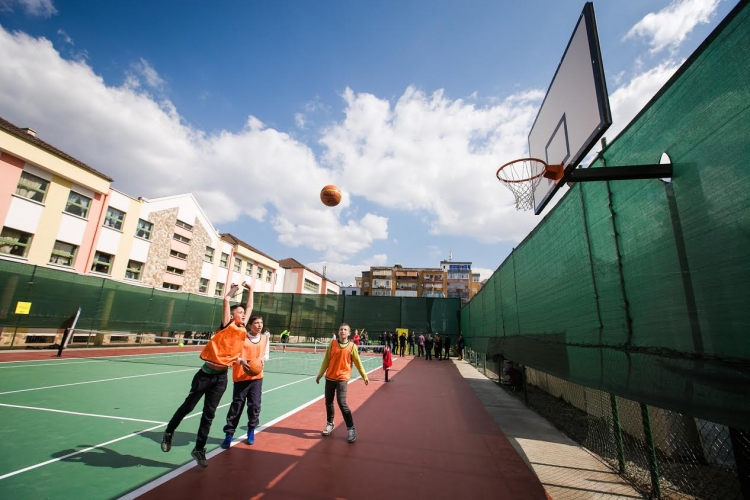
<point x="541" y="173"/>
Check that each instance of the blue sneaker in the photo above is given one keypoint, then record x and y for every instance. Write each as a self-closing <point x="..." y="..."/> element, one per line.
<point x="251" y="436"/>
<point x="227" y="441"/>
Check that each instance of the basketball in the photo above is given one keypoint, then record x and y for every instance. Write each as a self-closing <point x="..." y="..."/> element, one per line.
<point x="330" y="195"/>
<point x="255" y="367"/>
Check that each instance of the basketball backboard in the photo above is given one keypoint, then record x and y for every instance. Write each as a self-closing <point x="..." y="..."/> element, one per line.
<point x="575" y="112"/>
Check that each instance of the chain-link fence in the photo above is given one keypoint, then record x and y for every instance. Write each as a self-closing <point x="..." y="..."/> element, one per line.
<point x="663" y="454"/>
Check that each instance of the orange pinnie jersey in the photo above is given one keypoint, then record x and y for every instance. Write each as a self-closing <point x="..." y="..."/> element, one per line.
<point x="338" y="361"/>
<point x="250" y="350"/>
<point x="225" y="346"/>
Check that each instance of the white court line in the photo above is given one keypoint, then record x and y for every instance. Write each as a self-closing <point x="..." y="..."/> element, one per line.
<point x="96" y="381"/>
<point x="98" y="359"/>
<point x="181" y="470"/>
<point x="83" y="414"/>
<point x="36" y="466"/>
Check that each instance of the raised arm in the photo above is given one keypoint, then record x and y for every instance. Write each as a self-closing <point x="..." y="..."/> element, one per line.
<point x="227" y="315"/>
<point x="249" y="303"/>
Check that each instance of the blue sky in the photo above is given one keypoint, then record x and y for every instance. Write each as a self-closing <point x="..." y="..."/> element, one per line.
<point x="408" y="106"/>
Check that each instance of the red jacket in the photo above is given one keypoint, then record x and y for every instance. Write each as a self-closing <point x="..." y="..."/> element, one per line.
<point x="387" y="359"/>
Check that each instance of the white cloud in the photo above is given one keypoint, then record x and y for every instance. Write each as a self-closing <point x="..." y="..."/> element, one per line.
<point x="345" y="273"/>
<point x="150" y="151"/>
<point x="300" y="120"/>
<point x="669" y="27"/>
<point x="145" y="71"/>
<point x="436" y="158"/>
<point x="628" y="100"/>
<point x="40" y="8"/>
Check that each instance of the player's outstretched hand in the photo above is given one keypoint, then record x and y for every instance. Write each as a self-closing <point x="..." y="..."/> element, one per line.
<point x="367" y="382"/>
<point x="246" y="285"/>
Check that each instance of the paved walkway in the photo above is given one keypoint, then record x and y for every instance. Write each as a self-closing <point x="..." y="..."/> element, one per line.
<point x="566" y="470"/>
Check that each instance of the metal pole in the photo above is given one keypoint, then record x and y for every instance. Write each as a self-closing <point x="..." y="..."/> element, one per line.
<point x="618" y="433"/>
<point x="525" y="386"/>
<point x="653" y="464"/>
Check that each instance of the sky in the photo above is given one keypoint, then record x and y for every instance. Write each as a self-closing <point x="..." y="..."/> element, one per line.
<point x="253" y="106"/>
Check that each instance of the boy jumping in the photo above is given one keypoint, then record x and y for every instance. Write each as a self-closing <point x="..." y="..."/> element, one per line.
<point x="210" y="382"/>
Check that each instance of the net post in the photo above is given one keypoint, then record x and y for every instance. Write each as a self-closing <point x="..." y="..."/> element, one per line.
<point x="653" y="464"/>
<point x="618" y="433"/>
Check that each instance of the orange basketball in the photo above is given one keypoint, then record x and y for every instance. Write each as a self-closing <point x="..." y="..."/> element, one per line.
<point x="255" y="367"/>
<point x="330" y="195"/>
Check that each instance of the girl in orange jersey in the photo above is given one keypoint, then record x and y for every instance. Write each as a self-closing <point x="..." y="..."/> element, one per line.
<point x="337" y="367"/>
<point x="210" y="382"/>
<point x="247" y="386"/>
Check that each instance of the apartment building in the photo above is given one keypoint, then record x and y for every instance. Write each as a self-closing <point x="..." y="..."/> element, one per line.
<point x="300" y="279"/>
<point x="459" y="278"/>
<point x="399" y="281"/>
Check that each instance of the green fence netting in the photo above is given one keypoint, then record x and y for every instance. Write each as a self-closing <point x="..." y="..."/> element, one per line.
<point x="112" y="306"/>
<point x="641" y="288"/>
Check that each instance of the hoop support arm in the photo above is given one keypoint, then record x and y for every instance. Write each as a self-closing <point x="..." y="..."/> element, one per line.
<point x="654" y="171"/>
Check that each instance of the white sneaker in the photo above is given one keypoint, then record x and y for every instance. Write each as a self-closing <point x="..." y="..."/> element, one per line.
<point x="352" y="434"/>
<point x="328" y="430"/>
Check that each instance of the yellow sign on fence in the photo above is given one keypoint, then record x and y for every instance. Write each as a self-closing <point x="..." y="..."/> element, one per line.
<point x="23" y="307"/>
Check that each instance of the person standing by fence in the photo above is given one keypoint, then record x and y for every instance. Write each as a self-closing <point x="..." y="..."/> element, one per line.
<point x="420" y="345"/>
<point x="447" y="347"/>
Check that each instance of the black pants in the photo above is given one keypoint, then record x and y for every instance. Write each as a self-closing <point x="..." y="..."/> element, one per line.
<point x="211" y="388"/>
<point x="428" y="352"/>
<point x="447" y="352"/>
<point x="401" y="350"/>
<point x="339" y="388"/>
<point x="247" y="389"/>
<point x="411" y="349"/>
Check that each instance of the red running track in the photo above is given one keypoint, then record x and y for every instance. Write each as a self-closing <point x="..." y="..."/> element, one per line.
<point x="423" y="435"/>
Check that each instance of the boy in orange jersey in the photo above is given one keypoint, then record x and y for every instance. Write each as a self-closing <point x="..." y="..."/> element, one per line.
<point x="337" y="367"/>
<point x="246" y="386"/>
<point x="210" y="382"/>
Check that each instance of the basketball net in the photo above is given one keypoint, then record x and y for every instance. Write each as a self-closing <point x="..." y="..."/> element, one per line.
<point x="521" y="177"/>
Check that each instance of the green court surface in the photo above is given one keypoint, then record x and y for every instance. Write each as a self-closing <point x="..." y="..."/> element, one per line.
<point x="92" y="427"/>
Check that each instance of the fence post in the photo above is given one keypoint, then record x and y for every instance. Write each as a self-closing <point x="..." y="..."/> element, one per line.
<point x="525" y="385"/>
<point x="653" y="465"/>
<point x="485" y="363"/>
<point x="618" y="433"/>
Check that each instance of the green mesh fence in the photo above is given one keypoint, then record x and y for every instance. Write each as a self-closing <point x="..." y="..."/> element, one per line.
<point x="641" y="288"/>
<point x="111" y="306"/>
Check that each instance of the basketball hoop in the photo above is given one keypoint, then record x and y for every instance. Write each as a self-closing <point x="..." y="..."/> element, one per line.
<point x="522" y="176"/>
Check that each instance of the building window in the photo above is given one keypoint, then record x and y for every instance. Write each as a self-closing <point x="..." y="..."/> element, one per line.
<point x="367" y="285"/>
<point x="144" y="229"/>
<point x="181" y="238"/>
<point x="219" y="291"/>
<point x="260" y="273"/>
<point x="174" y="270"/>
<point x="114" y="218"/>
<point x="14" y="242"/>
<point x="268" y="276"/>
<point x="32" y="187"/>
<point x="224" y="261"/>
<point x="249" y="269"/>
<point x="354" y="292"/>
<point x="134" y="270"/>
<point x="237" y="265"/>
<point x="170" y="286"/>
<point x="102" y="263"/>
<point x="311" y="286"/>
<point x="330" y="292"/>
<point x="63" y="254"/>
<point x="184" y="225"/>
<point x="78" y="204"/>
<point x="203" y="288"/>
<point x="209" y="255"/>
<point x="178" y="255"/>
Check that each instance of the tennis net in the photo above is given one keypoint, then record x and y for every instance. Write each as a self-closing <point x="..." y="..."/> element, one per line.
<point x="296" y="359"/>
